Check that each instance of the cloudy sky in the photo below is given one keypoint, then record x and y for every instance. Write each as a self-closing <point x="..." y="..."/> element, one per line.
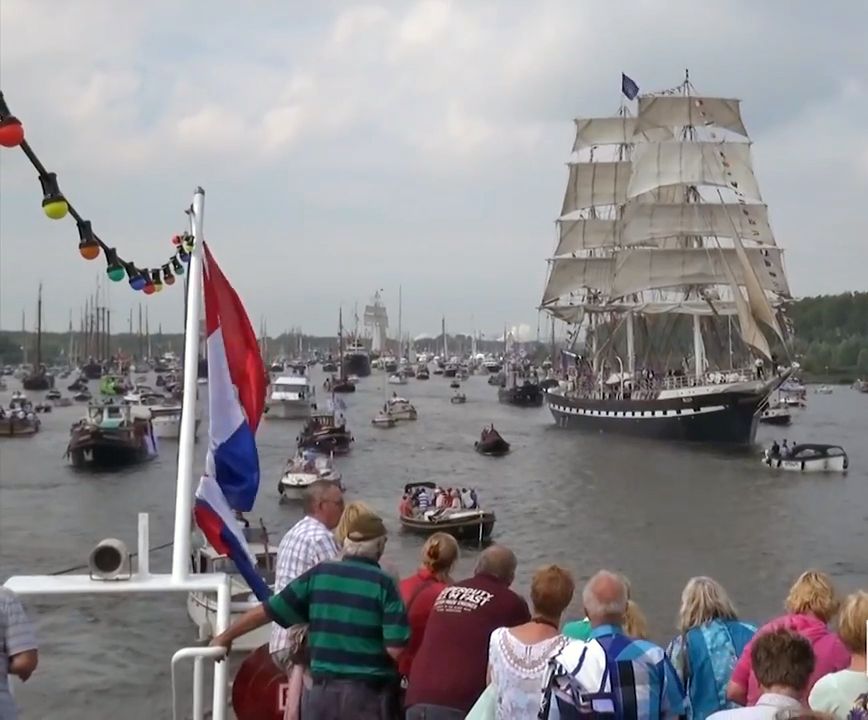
<point x="346" y="146"/>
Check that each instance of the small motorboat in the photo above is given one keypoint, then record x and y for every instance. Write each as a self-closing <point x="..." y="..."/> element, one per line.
<point x="43" y="407"/>
<point x="491" y="443"/>
<point x="78" y="385"/>
<point x="823" y="390"/>
<point x="53" y="394"/>
<point x="777" y="414"/>
<point x="422" y="373"/>
<point x="458" y="398"/>
<point x="202" y="606"/>
<point x="329" y="367"/>
<point x="303" y="470"/>
<point x="401" y="408"/>
<point x="497" y="378"/>
<point x="18" y="420"/>
<point x="455" y="384"/>
<point x="397" y="379"/>
<point x="83" y="396"/>
<point x="466" y="524"/>
<point x="809" y="457"/>
<point x="323" y="434"/>
<point x="384" y="420"/>
<point x="861" y="385"/>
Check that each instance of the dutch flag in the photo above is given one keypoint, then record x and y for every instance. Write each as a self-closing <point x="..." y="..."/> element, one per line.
<point x="236" y="398"/>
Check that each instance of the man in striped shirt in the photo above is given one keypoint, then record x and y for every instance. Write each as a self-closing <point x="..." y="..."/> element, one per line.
<point x="358" y="628"/>
<point x="18" y="651"/>
<point x="309" y="542"/>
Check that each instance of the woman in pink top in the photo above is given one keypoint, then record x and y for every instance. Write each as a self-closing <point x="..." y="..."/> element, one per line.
<point x="811" y="604"/>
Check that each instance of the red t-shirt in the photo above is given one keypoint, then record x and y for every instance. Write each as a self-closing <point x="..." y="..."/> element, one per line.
<point x="451" y="664"/>
<point x="418" y="592"/>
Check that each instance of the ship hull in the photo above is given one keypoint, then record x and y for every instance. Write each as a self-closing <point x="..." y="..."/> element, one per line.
<point x="722" y="417"/>
<point x="357" y="364"/>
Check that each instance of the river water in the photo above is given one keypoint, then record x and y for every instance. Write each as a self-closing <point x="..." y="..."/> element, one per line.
<point x="659" y="513"/>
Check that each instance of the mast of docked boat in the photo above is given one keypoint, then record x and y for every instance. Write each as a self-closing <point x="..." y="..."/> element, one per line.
<point x="343" y="374"/>
<point x="148" y="334"/>
<point x="23" y="336"/>
<point x="38" y="329"/>
<point x="400" y="337"/>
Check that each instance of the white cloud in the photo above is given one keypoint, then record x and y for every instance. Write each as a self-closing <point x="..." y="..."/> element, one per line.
<point x="416" y="142"/>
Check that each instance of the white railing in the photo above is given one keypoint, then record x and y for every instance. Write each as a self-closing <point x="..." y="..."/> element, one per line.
<point x="142" y="581"/>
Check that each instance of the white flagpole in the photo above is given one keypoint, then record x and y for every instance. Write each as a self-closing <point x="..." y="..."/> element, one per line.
<point x="186" y="440"/>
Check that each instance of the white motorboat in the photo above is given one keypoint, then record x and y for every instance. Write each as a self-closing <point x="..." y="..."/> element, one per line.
<point x="776" y="415"/>
<point x="401" y="408"/>
<point x="291" y="398"/>
<point x="808" y="458"/>
<point x="384" y="420"/>
<point x="823" y="390"/>
<point x="397" y="379"/>
<point x="304" y="469"/>
<point x="458" y="398"/>
<point x="166" y="420"/>
<point x="202" y="606"/>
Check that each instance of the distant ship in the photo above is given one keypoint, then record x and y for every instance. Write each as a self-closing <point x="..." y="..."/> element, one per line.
<point x="667" y="265"/>
<point x="357" y="360"/>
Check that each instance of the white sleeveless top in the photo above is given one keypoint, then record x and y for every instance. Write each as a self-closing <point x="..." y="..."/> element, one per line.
<point x="517" y="672"/>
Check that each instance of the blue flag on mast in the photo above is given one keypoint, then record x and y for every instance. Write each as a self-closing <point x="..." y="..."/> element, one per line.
<point x="629" y="87"/>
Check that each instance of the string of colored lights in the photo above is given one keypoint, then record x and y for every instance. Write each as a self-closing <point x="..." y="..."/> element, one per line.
<point x="56" y="206"/>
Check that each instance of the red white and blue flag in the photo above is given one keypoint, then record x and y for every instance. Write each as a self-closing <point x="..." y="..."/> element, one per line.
<point x="236" y="397"/>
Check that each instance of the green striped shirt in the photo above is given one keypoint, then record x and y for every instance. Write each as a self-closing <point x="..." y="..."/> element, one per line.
<point x="355" y="612"/>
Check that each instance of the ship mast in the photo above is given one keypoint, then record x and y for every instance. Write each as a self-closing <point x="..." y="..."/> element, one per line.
<point x="39" y="329"/>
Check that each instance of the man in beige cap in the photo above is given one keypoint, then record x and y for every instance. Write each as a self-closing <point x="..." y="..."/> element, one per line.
<point x="358" y="627"/>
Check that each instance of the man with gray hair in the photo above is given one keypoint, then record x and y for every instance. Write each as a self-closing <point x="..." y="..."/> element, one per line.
<point x="309" y="542"/>
<point x="610" y="674"/>
<point x="449" y="671"/>
<point x="358" y="628"/>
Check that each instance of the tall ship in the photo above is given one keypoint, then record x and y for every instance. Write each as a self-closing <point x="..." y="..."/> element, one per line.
<point x="668" y="274"/>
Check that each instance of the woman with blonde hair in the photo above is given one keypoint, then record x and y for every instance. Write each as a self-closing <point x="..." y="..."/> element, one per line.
<point x="352" y="511"/>
<point x="811" y="604"/>
<point x="518" y="656"/>
<point x="709" y="641"/>
<point x="419" y="591"/>
<point x="836" y="692"/>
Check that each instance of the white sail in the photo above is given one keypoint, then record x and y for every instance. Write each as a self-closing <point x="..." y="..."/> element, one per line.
<point x="594" y="184"/>
<point x="668" y="111"/>
<point x="628" y="272"/>
<point x="658" y="165"/>
<point x="642" y="223"/>
<point x="585" y="234"/>
<point x="568" y="313"/>
<point x="570" y="275"/>
<point x="591" y="132"/>
<point x="759" y="304"/>
<point x="641" y="269"/>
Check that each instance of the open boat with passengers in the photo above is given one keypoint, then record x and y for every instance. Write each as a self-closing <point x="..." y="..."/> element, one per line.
<point x="303" y="470"/>
<point x="462" y="523"/>
<point x="491" y="443"/>
<point x="325" y="434"/>
<point x="809" y="457"/>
